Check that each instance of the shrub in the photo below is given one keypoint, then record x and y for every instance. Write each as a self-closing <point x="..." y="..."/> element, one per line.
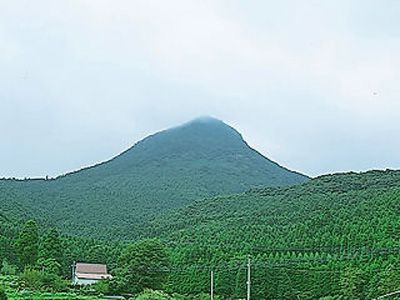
<point x="3" y="295"/>
<point x="39" y="280"/>
<point x="102" y="286"/>
<point x="153" y="295"/>
<point x="49" y="265"/>
<point x="202" y="296"/>
<point x="8" y="269"/>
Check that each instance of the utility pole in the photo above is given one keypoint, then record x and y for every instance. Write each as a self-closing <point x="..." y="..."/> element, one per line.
<point x="73" y="272"/>
<point x="212" y="285"/>
<point x="248" y="277"/>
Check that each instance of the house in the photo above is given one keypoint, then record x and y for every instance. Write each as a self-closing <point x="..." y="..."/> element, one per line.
<point x="84" y="273"/>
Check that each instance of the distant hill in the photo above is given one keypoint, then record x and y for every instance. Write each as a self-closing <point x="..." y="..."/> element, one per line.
<point x="293" y="217"/>
<point x="167" y="170"/>
<point x="306" y="241"/>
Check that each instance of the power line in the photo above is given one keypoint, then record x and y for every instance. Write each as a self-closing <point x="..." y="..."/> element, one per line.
<point x="340" y="248"/>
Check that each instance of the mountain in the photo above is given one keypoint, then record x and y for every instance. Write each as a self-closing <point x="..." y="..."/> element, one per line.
<point x="167" y="170"/>
<point x="336" y="235"/>
<point x="214" y="202"/>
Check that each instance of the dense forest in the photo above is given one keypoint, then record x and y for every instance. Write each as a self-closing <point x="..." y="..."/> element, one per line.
<point x="168" y="170"/>
<point x="334" y="237"/>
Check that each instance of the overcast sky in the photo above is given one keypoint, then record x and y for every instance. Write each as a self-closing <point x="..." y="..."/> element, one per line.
<point x="313" y="85"/>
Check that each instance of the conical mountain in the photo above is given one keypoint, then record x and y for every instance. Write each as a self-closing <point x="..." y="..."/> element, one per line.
<point x="168" y="170"/>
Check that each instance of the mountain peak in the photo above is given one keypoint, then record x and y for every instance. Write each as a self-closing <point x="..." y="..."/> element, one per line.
<point x="204" y="120"/>
<point x="204" y="146"/>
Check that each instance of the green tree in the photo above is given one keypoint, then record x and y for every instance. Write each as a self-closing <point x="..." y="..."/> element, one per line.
<point x="153" y="295"/>
<point x="51" y="254"/>
<point x="28" y="244"/>
<point x="49" y="265"/>
<point x="3" y="295"/>
<point x="40" y="280"/>
<point x="8" y="269"/>
<point x="51" y="246"/>
<point x="352" y="283"/>
<point x="98" y="254"/>
<point x="389" y="280"/>
<point x="143" y="265"/>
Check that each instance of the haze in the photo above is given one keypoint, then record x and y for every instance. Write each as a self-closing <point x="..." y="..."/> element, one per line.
<point x="313" y="85"/>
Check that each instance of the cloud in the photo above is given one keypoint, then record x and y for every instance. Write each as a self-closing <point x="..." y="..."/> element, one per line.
<point x="310" y="85"/>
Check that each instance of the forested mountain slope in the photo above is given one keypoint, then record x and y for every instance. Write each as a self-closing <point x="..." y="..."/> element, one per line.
<point x="338" y="200"/>
<point x="168" y="170"/>
<point x="335" y="235"/>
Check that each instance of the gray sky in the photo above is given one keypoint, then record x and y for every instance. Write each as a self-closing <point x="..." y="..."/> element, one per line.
<point x="313" y="85"/>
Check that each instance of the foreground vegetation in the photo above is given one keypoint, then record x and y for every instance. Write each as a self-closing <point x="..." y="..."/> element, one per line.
<point x="14" y="289"/>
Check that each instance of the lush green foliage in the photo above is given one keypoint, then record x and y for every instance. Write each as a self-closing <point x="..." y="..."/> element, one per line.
<point x="154" y="295"/>
<point x="42" y="280"/>
<point x="159" y="295"/>
<point x="54" y="259"/>
<point x="28" y="244"/>
<point x="17" y="291"/>
<point x="3" y="295"/>
<point x="143" y="265"/>
<point x="50" y="246"/>
<point x="8" y="269"/>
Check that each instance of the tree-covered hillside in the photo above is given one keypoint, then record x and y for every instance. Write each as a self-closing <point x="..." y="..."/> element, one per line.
<point x="165" y="171"/>
<point x="335" y="235"/>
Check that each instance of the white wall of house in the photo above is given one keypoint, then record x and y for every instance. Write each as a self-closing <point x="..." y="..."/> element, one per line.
<point x="81" y="281"/>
